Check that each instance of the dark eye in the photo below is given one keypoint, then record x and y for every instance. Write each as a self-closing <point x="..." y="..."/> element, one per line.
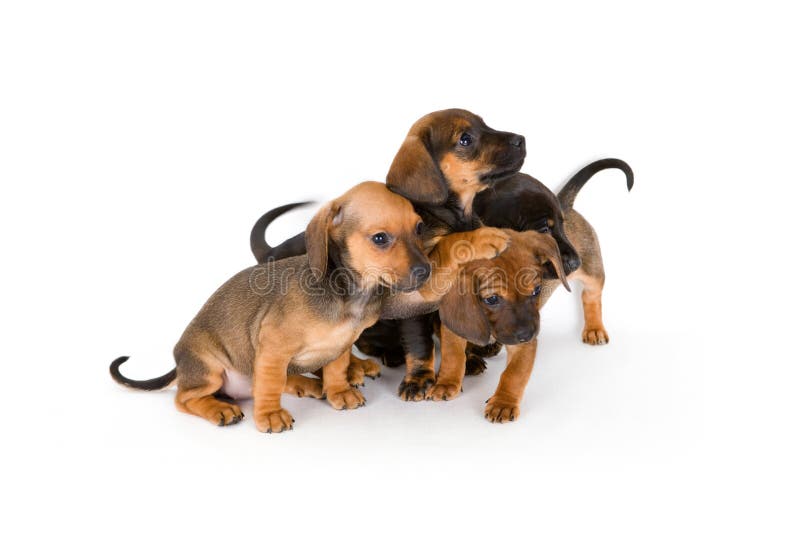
<point x="420" y="227"/>
<point x="381" y="239"/>
<point x="536" y="291"/>
<point x="465" y="140"/>
<point x="492" y="300"/>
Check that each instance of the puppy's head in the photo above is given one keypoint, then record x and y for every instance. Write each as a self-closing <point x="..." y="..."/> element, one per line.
<point x="523" y="203"/>
<point x="498" y="299"/>
<point x="374" y="234"/>
<point x="453" y="152"/>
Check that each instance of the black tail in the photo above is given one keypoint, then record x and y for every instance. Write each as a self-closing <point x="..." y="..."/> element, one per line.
<point x="570" y="190"/>
<point x="149" y="385"/>
<point x="294" y="246"/>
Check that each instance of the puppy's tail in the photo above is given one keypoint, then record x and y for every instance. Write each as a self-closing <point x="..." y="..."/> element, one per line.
<point x="294" y="246"/>
<point x="570" y="190"/>
<point x="148" y="385"/>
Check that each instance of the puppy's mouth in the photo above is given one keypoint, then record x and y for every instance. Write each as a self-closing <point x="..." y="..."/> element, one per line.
<point x="518" y="338"/>
<point x="404" y="286"/>
<point x="503" y="171"/>
<point x="407" y="287"/>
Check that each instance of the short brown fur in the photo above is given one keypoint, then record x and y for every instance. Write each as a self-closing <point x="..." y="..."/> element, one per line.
<point x="303" y="313"/>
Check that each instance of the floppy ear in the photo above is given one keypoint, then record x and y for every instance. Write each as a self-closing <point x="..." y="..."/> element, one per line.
<point x="546" y="249"/>
<point x="317" y="235"/>
<point x="461" y="312"/>
<point x="415" y="175"/>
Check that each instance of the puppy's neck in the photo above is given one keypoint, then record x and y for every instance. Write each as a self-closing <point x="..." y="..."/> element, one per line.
<point x="345" y="281"/>
<point x="452" y="215"/>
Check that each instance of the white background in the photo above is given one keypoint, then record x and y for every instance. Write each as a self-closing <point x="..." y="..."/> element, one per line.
<point x="140" y="140"/>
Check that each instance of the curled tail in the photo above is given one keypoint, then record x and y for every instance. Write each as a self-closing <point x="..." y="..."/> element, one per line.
<point x="570" y="190"/>
<point x="148" y="385"/>
<point x="294" y="246"/>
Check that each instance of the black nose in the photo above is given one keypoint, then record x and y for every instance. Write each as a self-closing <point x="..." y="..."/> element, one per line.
<point x="517" y="141"/>
<point x="524" y="335"/>
<point x="420" y="273"/>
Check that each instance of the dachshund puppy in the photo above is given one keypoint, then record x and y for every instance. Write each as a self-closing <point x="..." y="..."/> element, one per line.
<point x="497" y="299"/>
<point x="522" y="203"/>
<point x="446" y="159"/>
<point x="270" y="323"/>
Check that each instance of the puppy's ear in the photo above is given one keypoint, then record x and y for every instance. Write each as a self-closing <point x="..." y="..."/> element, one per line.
<point x="461" y="311"/>
<point x="546" y="249"/>
<point x="414" y="174"/>
<point x="317" y="236"/>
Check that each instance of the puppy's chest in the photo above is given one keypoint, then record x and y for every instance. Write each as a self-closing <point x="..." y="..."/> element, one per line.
<point x="326" y="341"/>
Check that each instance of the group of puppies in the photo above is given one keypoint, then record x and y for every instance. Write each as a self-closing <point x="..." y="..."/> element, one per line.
<point x="457" y="244"/>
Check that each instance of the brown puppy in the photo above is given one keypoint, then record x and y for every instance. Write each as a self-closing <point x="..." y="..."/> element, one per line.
<point x="447" y="158"/>
<point x="522" y="203"/>
<point x="304" y="313"/>
<point x="497" y="300"/>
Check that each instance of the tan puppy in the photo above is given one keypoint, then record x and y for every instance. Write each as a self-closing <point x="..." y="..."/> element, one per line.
<point x="272" y="322"/>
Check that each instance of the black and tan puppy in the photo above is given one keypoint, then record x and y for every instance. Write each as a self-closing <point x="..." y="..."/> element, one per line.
<point x="497" y="300"/>
<point x="272" y="322"/>
<point x="447" y="158"/>
<point x="522" y="203"/>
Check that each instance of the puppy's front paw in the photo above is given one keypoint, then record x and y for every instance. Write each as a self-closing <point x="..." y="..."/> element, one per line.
<point x="489" y="242"/>
<point x="348" y="399"/>
<point x="442" y="391"/>
<point x="275" y="421"/>
<point x="501" y="411"/>
<point x="595" y="336"/>
<point x="415" y="387"/>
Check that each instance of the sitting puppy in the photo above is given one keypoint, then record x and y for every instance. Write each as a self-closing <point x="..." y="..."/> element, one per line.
<point x="497" y="300"/>
<point x="271" y="323"/>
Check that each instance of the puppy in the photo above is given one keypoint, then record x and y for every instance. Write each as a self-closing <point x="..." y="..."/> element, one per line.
<point x="497" y="299"/>
<point x="446" y="159"/>
<point x="522" y="203"/>
<point x="271" y="323"/>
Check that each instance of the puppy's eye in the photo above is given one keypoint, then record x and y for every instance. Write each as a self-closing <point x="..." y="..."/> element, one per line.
<point x="492" y="300"/>
<point x="419" y="228"/>
<point x="536" y="291"/>
<point x="381" y="239"/>
<point x="465" y="140"/>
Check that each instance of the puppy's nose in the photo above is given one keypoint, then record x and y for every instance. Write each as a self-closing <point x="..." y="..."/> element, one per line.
<point x="524" y="335"/>
<point x="517" y="141"/>
<point x="420" y="273"/>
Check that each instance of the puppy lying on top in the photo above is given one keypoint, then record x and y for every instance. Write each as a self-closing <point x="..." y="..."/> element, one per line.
<point x="271" y="324"/>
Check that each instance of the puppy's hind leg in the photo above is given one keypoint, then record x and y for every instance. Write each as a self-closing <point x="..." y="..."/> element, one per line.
<point x="594" y="333"/>
<point x="198" y="380"/>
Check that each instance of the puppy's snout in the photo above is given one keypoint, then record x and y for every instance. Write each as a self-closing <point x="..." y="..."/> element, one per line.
<point x="517" y="141"/>
<point x="524" y="335"/>
<point x="420" y="273"/>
